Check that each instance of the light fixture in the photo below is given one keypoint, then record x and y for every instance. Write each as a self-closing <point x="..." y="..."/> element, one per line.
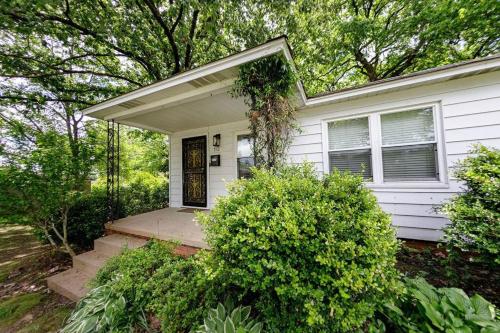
<point x="216" y="142"/>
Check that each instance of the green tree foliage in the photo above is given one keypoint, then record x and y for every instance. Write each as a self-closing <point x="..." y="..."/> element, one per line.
<point x="39" y="182"/>
<point x="475" y="213"/>
<point x="267" y="85"/>
<point x="340" y="43"/>
<point x="116" y="45"/>
<point x="315" y="254"/>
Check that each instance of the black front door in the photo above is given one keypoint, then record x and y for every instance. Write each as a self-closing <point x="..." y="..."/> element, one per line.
<point x="194" y="171"/>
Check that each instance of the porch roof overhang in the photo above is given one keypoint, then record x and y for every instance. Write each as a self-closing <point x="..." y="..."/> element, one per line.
<point x="196" y="98"/>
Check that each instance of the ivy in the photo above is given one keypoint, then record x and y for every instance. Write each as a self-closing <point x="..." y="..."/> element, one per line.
<point x="267" y="86"/>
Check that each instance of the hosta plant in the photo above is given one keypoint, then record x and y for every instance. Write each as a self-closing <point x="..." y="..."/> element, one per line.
<point x="222" y="320"/>
<point x="427" y="309"/>
<point x="105" y="310"/>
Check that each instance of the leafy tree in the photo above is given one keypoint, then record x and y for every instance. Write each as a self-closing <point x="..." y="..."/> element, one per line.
<point x="125" y="44"/>
<point x="39" y="183"/>
<point x="340" y="43"/>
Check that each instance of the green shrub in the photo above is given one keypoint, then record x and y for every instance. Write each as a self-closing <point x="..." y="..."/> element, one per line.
<point x="86" y="218"/>
<point x="222" y="320"/>
<point x="105" y="309"/>
<point x="475" y="213"/>
<point x="316" y="254"/>
<point x="142" y="193"/>
<point x="426" y="309"/>
<point x="176" y="290"/>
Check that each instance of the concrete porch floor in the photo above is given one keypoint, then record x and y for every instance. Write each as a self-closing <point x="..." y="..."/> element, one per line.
<point x="164" y="224"/>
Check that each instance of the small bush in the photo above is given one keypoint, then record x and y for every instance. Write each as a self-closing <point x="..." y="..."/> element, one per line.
<point x="316" y="254"/>
<point x="86" y="218"/>
<point x="426" y="309"/>
<point x="475" y="213"/>
<point x="176" y="290"/>
<point x="142" y="193"/>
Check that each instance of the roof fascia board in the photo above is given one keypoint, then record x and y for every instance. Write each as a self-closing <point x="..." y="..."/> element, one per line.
<point x="264" y="50"/>
<point x="300" y="87"/>
<point x="210" y="90"/>
<point x="490" y="64"/>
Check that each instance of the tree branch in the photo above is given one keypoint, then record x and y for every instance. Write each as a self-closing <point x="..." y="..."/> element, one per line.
<point x="166" y="30"/>
<point x="187" y="58"/>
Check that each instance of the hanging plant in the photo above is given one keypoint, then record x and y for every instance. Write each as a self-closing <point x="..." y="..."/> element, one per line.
<point x="267" y="86"/>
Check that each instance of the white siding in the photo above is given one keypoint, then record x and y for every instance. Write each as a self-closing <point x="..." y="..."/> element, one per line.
<point x="470" y="113"/>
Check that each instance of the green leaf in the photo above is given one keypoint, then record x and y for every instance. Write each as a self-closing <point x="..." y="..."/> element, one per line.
<point x="229" y="326"/>
<point x="482" y="308"/>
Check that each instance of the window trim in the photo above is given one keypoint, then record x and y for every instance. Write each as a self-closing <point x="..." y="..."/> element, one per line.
<point x="352" y="149"/>
<point x="375" y="130"/>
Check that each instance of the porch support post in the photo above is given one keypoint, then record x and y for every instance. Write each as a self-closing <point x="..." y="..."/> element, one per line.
<point x="113" y="170"/>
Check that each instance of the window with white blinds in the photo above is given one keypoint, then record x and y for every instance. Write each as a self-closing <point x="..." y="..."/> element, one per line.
<point x="409" y="146"/>
<point x="349" y="146"/>
<point x="396" y="148"/>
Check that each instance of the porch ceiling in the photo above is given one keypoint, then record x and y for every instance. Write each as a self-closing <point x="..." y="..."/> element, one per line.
<point x="196" y="98"/>
<point x="209" y="111"/>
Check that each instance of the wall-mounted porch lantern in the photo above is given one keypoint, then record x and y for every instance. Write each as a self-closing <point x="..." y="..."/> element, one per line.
<point x="216" y="142"/>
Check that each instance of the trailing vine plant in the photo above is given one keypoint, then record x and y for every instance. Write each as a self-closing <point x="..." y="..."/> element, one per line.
<point x="267" y="86"/>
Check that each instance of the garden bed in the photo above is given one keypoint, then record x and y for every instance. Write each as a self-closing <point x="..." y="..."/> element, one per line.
<point x="431" y="263"/>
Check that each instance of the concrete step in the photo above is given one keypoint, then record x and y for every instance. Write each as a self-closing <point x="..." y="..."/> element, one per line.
<point x="114" y="244"/>
<point x="71" y="284"/>
<point x="90" y="262"/>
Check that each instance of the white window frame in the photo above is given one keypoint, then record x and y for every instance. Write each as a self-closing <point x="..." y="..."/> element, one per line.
<point x="375" y="130"/>
<point x="235" y="157"/>
<point x="328" y="150"/>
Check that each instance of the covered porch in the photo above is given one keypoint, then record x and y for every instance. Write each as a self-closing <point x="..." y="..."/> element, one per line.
<point x="170" y="224"/>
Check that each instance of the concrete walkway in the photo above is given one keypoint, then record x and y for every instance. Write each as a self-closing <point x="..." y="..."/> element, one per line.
<point x="176" y="224"/>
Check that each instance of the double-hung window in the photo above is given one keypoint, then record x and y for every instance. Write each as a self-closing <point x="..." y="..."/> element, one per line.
<point x="409" y="146"/>
<point x="386" y="147"/>
<point x="244" y="158"/>
<point x="349" y="146"/>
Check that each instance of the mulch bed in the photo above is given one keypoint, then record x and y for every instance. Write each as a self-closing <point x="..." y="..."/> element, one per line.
<point x="432" y="263"/>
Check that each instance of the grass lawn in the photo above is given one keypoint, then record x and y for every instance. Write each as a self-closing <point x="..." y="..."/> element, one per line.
<point x="26" y="305"/>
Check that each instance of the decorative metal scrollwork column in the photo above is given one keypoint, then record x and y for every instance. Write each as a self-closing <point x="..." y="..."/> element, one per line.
<point x="113" y="171"/>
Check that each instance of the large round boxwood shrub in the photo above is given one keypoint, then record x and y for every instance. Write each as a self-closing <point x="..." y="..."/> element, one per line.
<point x="314" y="255"/>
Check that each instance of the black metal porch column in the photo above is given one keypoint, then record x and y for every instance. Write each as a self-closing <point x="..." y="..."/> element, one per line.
<point x="113" y="171"/>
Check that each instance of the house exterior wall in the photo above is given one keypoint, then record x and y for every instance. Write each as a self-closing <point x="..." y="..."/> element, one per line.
<point x="467" y="109"/>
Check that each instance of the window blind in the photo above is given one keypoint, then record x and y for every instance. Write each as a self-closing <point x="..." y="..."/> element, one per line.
<point x="410" y="163"/>
<point x="408" y="127"/>
<point x="356" y="161"/>
<point x="350" y="133"/>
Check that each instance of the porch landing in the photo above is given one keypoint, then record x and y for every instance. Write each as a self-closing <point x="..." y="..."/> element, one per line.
<point x="175" y="224"/>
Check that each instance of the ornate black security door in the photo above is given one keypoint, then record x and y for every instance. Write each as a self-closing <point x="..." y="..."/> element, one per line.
<point x="194" y="171"/>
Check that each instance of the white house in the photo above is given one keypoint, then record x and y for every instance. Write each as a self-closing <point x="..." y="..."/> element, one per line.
<point x="407" y="131"/>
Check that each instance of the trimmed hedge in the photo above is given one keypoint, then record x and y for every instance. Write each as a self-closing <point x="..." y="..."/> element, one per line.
<point x="315" y="254"/>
